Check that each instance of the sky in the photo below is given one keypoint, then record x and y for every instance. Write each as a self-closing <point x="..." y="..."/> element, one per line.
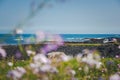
<point x="64" y="17"/>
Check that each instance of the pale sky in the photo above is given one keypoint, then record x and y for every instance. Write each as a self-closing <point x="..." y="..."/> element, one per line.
<point x="72" y="16"/>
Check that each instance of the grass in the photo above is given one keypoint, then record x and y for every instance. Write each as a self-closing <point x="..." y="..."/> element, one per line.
<point x="83" y="44"/>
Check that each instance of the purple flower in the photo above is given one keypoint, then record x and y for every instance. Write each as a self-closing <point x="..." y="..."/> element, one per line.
<point x="18" y="55"/>
<point x="41" y="59"/>
<point x="58" y="39"/>
<point x="54" y="41"/>
<point x="109" y="63"/>
<point x="49" y="47"/>
<point x="101" y="78"/>
<point x="114" y="77"/>
<point x="17" y="73"/>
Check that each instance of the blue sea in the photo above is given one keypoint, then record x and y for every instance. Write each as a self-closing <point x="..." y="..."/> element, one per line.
<point x="10" y="39"/>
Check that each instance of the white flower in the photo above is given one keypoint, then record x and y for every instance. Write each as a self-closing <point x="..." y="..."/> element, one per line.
<point x="30" y="52"/>
<point x="91" y="58"/>
<point x="33" y="66"/>
<point x="17" y="73"/>
<point x="65" y="57"/>
<point x="80" y="68"/>
<point x="36" y="71"/>
<point x="115" y="77"/>
<point x="10" y="64"/>
<point x="86" y="69"/>
<point x="2" y="52"/>
<point x="119" y="47"/>
<point x="41" y="58"/>
<point x="79" y="57"/>
<point x="14" y="74"/>
<point x="60" y="56"/>
<point x="98" y="65"/>
<point x="48" y="68"/>
<point x="72" y="72"/>
<point x="45" y="68"/>
<point x="21" y="70"/>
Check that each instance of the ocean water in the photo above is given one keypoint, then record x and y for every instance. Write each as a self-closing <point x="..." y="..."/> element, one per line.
<point x="69" y="37"/>
<point x="10" y="39"/>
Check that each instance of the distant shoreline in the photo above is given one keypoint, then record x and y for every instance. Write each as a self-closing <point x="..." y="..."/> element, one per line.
<point x="6" y="39"/>
<point x="106" y="50"/>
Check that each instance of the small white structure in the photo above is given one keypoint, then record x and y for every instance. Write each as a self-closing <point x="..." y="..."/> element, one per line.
<point x="18" y="31"/>
<point x="110" y="40"/>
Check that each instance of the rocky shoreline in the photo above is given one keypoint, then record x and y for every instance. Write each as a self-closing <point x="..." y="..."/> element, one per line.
<point x="106" y="50"/>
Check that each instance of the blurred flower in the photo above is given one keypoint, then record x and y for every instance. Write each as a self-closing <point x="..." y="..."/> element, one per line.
<point x="114" y="40"/>
<point x="104" y="70"/>
<point x="2" y="52"/>
<point x="88" y="77"/>
<point x="65" y="57"/>
<point x="40" y="36"/>
<point x="33" y="65"/>
<point x="17" y="73"/>
<point x="21" y="70"/>
<point x="43" y="68"/>
<point x="70" y="71"/>
<point x="118" y="66"/>
<point x="79" y="57"/>
<point x="115" y="77"/>
<point x="30" y="52"/>
<point x="117" y="56"/>
<point x="98" y="65"/>
<point x="49" y="37"/>
<point x="41" y="59"/>
<point x="18" y="54"/>
<point x="91" y="58"/>
<point x="119" y="47"/>
<point x="86" y="51"/>
<point x="48" y="68"/>
<point x="58" y="39"/>
<point x="53" y="42"/>
<point x="49" y="47"/>
<point x="59" y="56"/>
<point x="86" y="69"/>
<point x="103" y="57"/>
<point x="41" y="64"/>
<point x="101" y="78"/>
<point x="80" y="68"/>
<point x="10" y="64"/>
<point x="73" y="78"/>
<point x="109" y="63"/>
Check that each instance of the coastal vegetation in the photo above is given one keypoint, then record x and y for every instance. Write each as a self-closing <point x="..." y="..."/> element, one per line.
<point x="73" y="68"/>
<point x="59" y="64"/>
